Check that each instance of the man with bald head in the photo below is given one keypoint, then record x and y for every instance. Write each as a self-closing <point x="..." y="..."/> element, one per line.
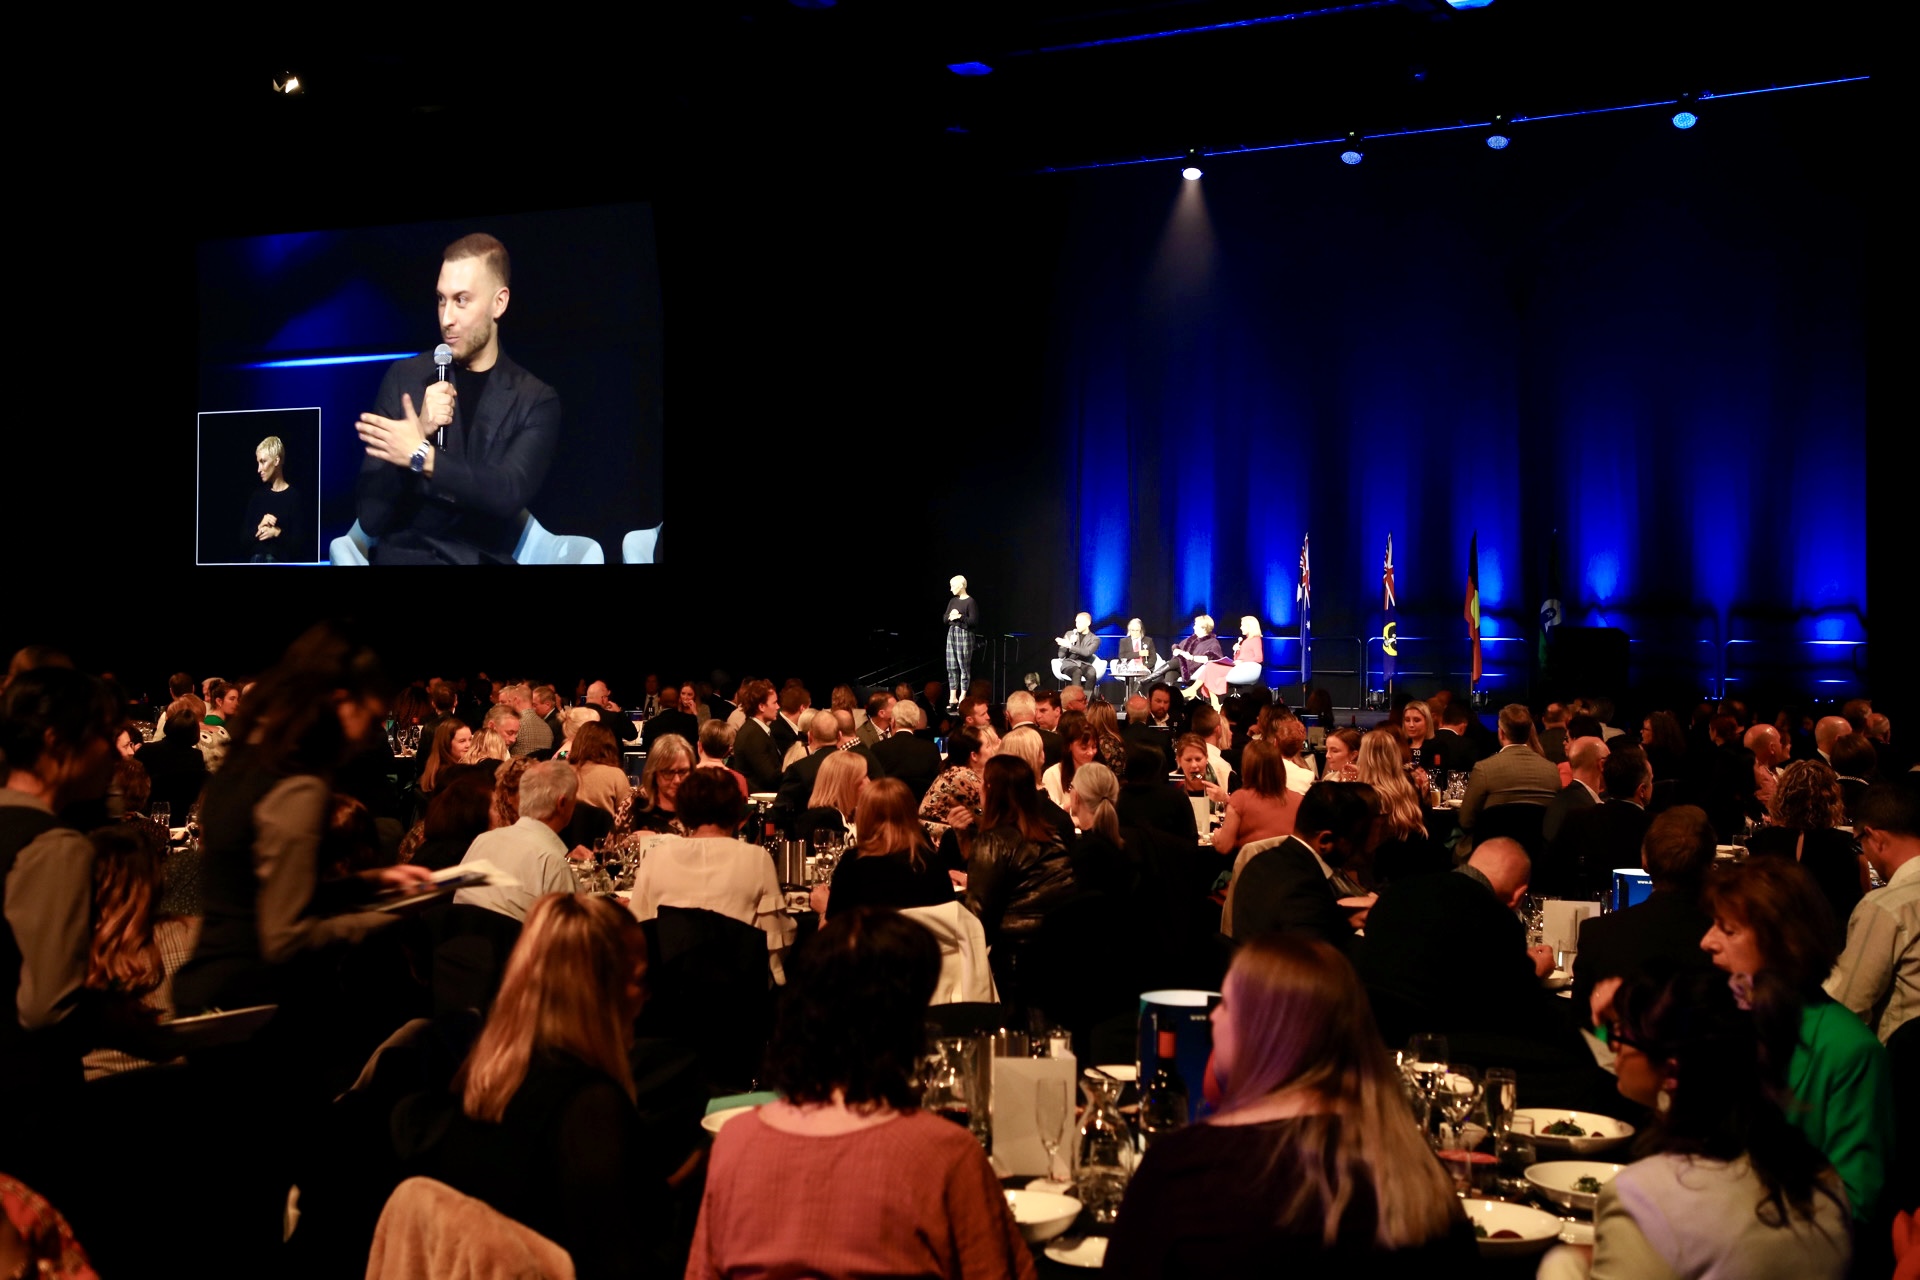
<point x="1585" y="757"/>
<point x="1769" y="754"/>
<point x="1827" y="731"/>
<point x="1446" y="953"/>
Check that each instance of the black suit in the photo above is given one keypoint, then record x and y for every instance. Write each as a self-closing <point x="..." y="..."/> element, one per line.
<point x="1667" y="928"/>
<point x="1157" y="740"/>
<point x="784" y="735"/>
<point x="875" y="770"/>
<point x="619" y="724"/>
<point x="670" y="722"/>
<point x="491" y="466"/>
<point x="1052" y="746"/>
<point x="177" y="772"/>
<point x="1076" y="658"/>
<point x="912" y="760"/>
<point x="756" y="757"/>
<point x="796" y="783"/>
<point x="1283" y="890"/>
<point x="1158" y="806"/>
<point x="1554" y="871"/>
<point x="1594" y="841"/>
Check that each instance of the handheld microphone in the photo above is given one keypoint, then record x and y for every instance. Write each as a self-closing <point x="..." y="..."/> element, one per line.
<point x="442" y="357"/>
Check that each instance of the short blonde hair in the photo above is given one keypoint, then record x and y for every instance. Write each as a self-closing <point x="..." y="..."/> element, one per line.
<point x="1204" y="620"/>
<point x="1025" y="743"/>
<point x="1246" y="618"/>
<point x="272" y="447"/>
<point x="837" y="785"/>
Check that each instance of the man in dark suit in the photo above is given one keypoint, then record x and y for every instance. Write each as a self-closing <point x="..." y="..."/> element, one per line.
<point x="1596" y="840"/>
<point x="1553" y="733"/>
<point x="754" y="753"/>
<point x="546" y="705"/>
<point x="907" y="756"/>
<point x="1139" y="731"/>
<point x="1445" y="953"/>
<point x="796" y="782"/>
<point x="1854" y="761"/>
<point x="1023" y="709"/>
<point x="618" y="722"/>
<point x="451" y="465"/>
<point x="1553" y="871"/>
<point x="669" y="720"/>
<point x="1516" y="774"/>
<point x="1287" y="888"/>
<point x="1148" y="800"/>
<point x="786" y="726"/>
<point x="879" y="722"/>
<point x="1077" y="649"/>
<point x="1668" y="926"/>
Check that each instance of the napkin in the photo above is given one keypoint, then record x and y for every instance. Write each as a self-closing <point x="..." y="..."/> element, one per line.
<point x="1561" y="919"/>
<point x="1016" y="1129"/>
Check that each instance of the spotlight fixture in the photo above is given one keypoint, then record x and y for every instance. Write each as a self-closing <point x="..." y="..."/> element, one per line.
<point x="287" y="82"/>
<point x="1190" y="167"/>
<point x="1499" y="133"/>
<point x="970" y="68"/>
<point x="1683" y="116"/>
<point x="1352" y="153"/>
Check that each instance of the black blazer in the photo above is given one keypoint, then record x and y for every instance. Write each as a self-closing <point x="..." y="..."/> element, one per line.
<point x="796" y="782"/>
<point x="619" y="724"/>
<point x="1666" y="928"/>
<point x="756" y="757"/>
<point x="1145" y="735"/>
<point x="1593" y="841"/>
<point x="493" y="464"/>
<point x="1283" y="890"/>
<point x="914" y="761"/>
<point x="1083" y="647"/>
<point x="784" y="735"/>
<point x="671" y="722"/>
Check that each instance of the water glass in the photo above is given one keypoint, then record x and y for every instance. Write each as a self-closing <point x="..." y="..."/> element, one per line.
<point x="1499" y="1096"/>
<point x="162" y="816"/>
<point x="1052" y="1104"/>
<point x="1513" y="1153"/>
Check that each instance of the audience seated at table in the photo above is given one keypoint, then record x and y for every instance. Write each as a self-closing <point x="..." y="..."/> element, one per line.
<point x="1516" y="774"/>
<point x="822" y="741"/>
<point x="845" y="1175"/>
<point x="540" y="1122"/>
<point x="1582" y="785"/>
<point x="1263" y="807"/>
<point x="450" y="746"/>
<point x="1081" y="743"/>
<point x="1017" y="867"/>
<point x="711" y="869"/>
<point x="1802" y="820"/>
<point x="595" y="756"/>
<point x="1854" y="762"/>
<point x="173" y="762"/>
<point x="1770" y="919"/>
<point x="132" y="787"/>
<point x="892" y="864"/>
<point x="1417" y="723"/>
<point x="1291" y="887"/>
<point x="1665" y="929"/>
<point x="904" y="754"/>
<point x="952" y="803"/>
<point x="1107" y="736"/>
<point x="1312" y="1156"/>
<point x="1595" y="840"/>
<point x="1725" y="1184"/>
<point x="654" y="804"/>
<point x="530" y="849"/>
<point x="713" y="748"/>
<point x="1025" y="743"/>
<point x="1404" y="847"/>
<point x="1878" y="976"/>
<point x="837" y="785"/>
<point x="460" y="811"/>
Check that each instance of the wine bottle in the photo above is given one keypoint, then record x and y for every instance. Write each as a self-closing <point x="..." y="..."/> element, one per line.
<point x="1163" y="1106"/>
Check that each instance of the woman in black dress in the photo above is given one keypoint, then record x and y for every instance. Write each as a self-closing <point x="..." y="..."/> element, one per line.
<point x="893" y="865"/>
<point x="1312" y="1156"/>
<point x="279" y="526"/>
<point x="1803" y="820"/>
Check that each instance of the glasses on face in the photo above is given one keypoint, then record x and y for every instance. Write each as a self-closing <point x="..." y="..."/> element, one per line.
<point x="679" y="772"/>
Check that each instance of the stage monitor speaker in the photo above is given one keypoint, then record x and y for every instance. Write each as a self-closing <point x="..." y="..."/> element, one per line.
<point x="1590" y="661"/>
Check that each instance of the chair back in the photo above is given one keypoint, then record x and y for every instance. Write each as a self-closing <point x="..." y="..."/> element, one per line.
<point x="470" y="950"/>
<point x="537" y="545"/>
<point x="709" y="987"/>
<point x="639" y="545"/>
<point x="430" y="1230"/>
<point x="965" y="975"/>
<point x="1513" y="822"/>
<point x="1247" y="853"/>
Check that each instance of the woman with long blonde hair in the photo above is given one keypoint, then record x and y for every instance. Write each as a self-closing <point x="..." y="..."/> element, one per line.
<point x="836" y="790"/>
<point x="1312" y="1156"/>
<point x="1403" y="848"/>
<point x="489" y="744"/>
<point x="540" y="1120"/>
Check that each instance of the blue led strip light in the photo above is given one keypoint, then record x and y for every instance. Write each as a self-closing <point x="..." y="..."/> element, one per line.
<point x="1211" y="26"/>
<point x="314" y="362"/>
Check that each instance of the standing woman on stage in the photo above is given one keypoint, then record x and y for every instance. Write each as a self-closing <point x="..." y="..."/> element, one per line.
<point x="963" y="619"/>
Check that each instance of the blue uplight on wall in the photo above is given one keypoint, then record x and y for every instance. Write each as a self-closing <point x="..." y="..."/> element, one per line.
<point x="1685" y="119"/>
<point x="1603" y="575"/>
<point x="1493" y="582"/>
<point x="314" y="362"/>
<point x="970" y="68"/>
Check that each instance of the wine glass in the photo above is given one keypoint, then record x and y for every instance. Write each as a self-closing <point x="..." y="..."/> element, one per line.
<point x="1050" y="1105"/>
<point x="1513" y="1153"/>
<point x="162" y="816"/>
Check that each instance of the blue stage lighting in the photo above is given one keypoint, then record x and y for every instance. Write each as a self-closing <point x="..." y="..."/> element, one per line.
<point x="1685" y="119"/>
<point x="1190" y="167"/>
<point x="1353" y="153"/>
<point x="970" y="68"/>
<point x="1468" y="4"/>
<point x="1497" y="134"/>
<point x="314" y="362"/>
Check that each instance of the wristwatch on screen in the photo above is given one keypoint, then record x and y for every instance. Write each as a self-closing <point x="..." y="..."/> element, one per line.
<point x="418" y="462"/>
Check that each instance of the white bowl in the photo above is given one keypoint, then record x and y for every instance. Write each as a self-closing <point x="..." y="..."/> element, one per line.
<point x="1555" y="1178"/>
<point x="1602" y="1133"/>
<point x="1534" y="1230"/>
<point x="1041" y="1215"/>
<point x="712" y="1121"/>
<point x="1079" y="1251"/>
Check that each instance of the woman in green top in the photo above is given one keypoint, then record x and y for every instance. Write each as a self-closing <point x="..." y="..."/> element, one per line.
<point x="1770" y="917"/>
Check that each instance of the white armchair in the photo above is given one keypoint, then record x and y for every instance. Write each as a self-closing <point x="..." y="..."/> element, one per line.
<point x="537" y="545"/>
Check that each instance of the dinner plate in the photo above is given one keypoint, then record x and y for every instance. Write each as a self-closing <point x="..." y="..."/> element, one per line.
<point x="1535" y="1230"/>
<point x="1555" y="1180"/>
<point x="1051" y="1187"/>
<point x="1078" y="1251"/>
<point x="713" y="1122"/>
<point x="1603" y="1133"/>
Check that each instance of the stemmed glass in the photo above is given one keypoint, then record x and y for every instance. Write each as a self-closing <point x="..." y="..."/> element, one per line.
<point x="1050" y="1105"/>
<point x="1455" y="1096"/>
<point x="162" y="816"/>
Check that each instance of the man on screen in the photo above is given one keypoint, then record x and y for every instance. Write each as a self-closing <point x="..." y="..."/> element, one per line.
<point x="451" y="465"/>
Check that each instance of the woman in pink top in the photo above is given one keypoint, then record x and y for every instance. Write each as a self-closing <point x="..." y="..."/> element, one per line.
<point x="1248" y="657"/>
<point x="846" y="1176"/>
<point x="1263" y="807"/>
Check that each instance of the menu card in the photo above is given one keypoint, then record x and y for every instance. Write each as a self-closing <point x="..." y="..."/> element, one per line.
<point x="1017" y="1149"/>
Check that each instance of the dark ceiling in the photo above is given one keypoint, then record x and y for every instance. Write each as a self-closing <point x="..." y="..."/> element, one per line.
<point x="1072" y="83"/>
